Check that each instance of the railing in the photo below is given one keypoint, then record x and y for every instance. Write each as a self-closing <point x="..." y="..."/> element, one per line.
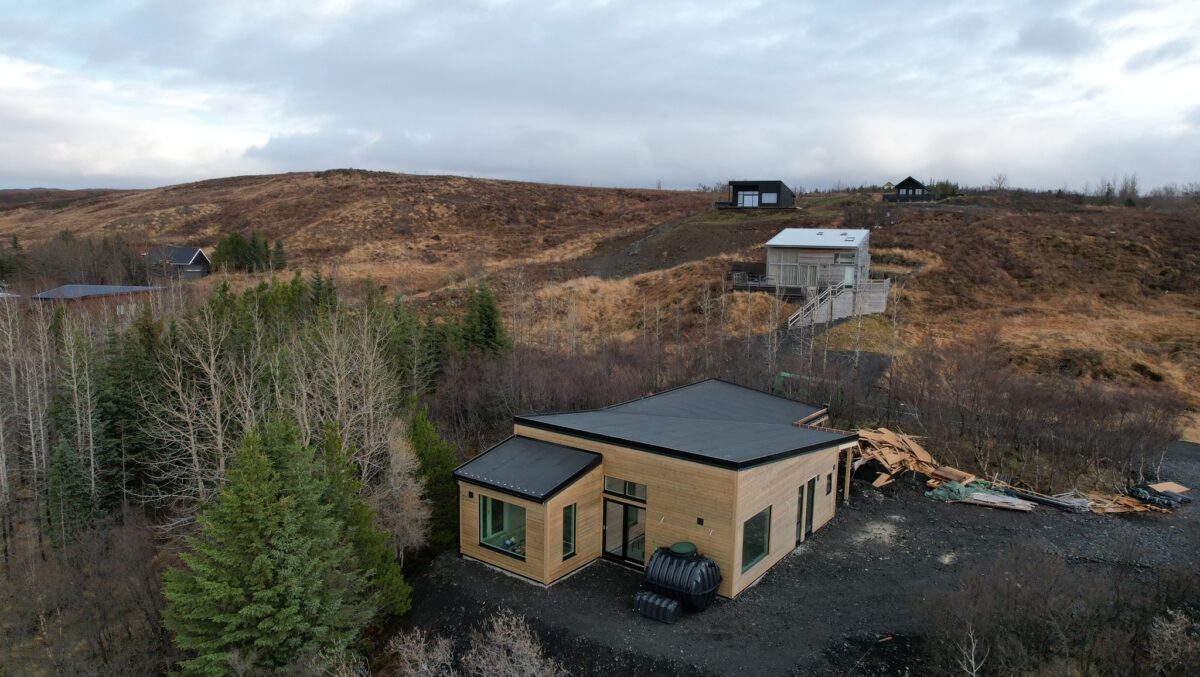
<point x="828" y="294"/>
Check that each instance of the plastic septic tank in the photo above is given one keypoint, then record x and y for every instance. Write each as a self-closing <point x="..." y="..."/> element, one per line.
<point x="682" y="573"/>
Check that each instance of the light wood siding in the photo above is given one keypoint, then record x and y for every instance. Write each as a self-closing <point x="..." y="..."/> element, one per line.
<point x="777" y="485"/>
<point x="677" y="492"/>
<point x="534" y="565"/>
<point x="589" y="525"/>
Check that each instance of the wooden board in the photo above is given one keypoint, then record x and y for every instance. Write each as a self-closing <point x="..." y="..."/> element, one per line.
<point x="1169" y="486"/>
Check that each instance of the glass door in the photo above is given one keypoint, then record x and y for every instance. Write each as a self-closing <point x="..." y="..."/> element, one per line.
<point x="625" y="532"/>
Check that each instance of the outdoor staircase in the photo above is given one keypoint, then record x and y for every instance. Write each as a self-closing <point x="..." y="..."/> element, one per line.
<point x="838" y="302"/>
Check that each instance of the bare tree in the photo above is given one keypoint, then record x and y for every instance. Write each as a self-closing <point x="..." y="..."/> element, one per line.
<point x="79" y="381"/>
<point x="397" y="498"/>
<point x="508" y="647"/>
<point x="341" y="373"/>
<point x="1000" y="182"/>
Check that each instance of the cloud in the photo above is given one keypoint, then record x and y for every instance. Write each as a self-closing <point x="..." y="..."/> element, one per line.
<point x="1168" y="51"/>
<point x="602" y="93"/>
<point x="1055" y="37"/>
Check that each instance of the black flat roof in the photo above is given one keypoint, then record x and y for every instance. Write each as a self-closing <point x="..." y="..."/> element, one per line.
<point x="713" y="422"/>
<point x="530" y="469"/>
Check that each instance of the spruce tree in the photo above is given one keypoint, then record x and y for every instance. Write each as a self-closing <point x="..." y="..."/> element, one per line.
<point x="128" y="379"/>
<point x="278" y="257"/>
<point x="436" y="461"/>
<point x="68" y="506"/>
<point x="270" y="580"/>
<point x="374" y="555"/>
<point x="483" y="327"/>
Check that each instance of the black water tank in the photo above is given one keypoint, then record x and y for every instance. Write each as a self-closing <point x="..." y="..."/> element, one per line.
<point x="681" y="573"/>
<point x="657" y="607"/>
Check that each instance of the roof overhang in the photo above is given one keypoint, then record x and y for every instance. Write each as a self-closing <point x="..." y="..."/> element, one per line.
<point x="685" y="455"/>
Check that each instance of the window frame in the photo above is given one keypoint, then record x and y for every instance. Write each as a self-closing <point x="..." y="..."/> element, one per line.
<point x="628" y="489"/>
<point x="766" y="550"/>
<point x="768" y="198"/>
<point x="489" y="500"/>
<point x="574" y="511"/>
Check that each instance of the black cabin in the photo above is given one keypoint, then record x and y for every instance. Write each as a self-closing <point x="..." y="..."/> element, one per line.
<point x="908" y="190"/>
<point x="759" y="195"/>
<point x="188" y="263"/>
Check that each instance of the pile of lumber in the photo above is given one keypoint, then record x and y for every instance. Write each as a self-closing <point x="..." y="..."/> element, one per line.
<point x="1105" y="504"/>
<point x="899" y="453"/>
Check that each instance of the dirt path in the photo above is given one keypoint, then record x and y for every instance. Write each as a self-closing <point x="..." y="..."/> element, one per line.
<point x="846" y="602"/>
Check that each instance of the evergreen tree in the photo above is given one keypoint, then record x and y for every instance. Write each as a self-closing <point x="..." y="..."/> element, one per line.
<point x="374" y="555"/>
<point x="436" y="461"/>
<point x="128" y="378"/>
<point x="270" y="580"/>
<point x="278" y="257"/>
<point x="259" y="256"/>
<point x="68" y="506"/>
<point x="483" y="327"/>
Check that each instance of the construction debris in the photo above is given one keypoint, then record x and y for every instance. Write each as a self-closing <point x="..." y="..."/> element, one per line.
<point x="977" y="493"/>
<point x="898" y="453"/>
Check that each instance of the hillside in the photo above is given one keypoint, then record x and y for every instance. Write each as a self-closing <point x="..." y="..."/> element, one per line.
<point x="1106" y="294"/>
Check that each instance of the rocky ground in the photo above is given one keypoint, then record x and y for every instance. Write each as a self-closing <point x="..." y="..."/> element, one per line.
<point x="846" y="602"/>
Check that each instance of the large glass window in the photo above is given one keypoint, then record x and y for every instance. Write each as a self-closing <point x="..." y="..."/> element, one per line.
<point x="568" y="531"/>
<point x="747" y="198"/>
<point x="502" y="526"/>
<point x="625" y="488"/>
<point x="770" y="198"/>
<point x="756" y="539"/>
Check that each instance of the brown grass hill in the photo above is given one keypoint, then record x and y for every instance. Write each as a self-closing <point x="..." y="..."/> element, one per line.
<point x="414" y="230"/>
<point x="1105" y="294"/>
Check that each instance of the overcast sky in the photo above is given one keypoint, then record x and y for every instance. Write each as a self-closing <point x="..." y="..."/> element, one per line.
<point x="145" y="93"/>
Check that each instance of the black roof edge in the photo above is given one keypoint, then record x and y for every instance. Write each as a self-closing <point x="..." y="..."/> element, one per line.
<point x="591" y="465"/>
<point x="670" y="390"/>
<point x="685" y="455"/>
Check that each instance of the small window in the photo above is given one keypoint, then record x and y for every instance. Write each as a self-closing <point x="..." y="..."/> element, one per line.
<point x="625" y="488"/>
<point x="568" y="531"/>
<point x="829" y="484"/>
<point x="756" y="539"/>
<point x="770" y="198"/>
<point x="502" y="526"/>
<point x="843" y="257"/>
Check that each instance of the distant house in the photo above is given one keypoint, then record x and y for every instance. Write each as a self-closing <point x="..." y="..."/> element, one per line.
<point x="187" y="263"/>
<point x="889" y="186"/>
<point x="115" y="295"/>
<point x="908" y="190"/>
<point x="828" y="269"/>
<point x="758" y="195"/>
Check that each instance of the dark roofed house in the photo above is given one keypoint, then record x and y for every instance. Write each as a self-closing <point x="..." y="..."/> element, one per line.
<point x="187" y="263"/>
<point x="909" y="190"/>
<point x="741" y="473"/>
<point x="759" y="195"/>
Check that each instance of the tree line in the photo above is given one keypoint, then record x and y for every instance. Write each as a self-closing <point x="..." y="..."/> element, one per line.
<point x="265" y="451"/>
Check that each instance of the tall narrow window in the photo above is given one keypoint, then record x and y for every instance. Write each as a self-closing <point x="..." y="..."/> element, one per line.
<point x="829" y="484"/>
<point x="502" y="526"/>
<point x="568" y="531"/>
<point x="756" y="539"/>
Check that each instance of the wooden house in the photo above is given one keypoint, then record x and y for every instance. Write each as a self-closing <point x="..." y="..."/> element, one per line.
<point x="826" y="269"/>
<point x="185" y="263"/>
<point x="908" y="190"/>
<point x="740" y="473"/>
<point x="759" y="195"/>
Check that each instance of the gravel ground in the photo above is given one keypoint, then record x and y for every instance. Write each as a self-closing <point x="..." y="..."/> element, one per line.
<point x="843" y="603"/>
